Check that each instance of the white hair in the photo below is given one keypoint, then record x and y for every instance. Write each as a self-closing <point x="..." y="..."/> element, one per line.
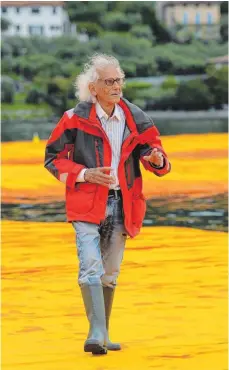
<point x="90" y="74"/>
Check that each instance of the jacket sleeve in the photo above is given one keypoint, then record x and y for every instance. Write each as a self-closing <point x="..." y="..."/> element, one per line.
<point x="60" y="143"/>
<point x="150" y="139"/>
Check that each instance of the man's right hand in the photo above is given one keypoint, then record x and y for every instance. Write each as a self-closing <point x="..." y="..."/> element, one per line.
<point x="98" y="176"/>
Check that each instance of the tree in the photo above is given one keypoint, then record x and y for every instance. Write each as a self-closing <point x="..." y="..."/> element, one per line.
<point x="4" y="24"/>
<point x="119" y="16"/>
<point x="32" y="65"/>
<point x="224" y="27"/>
<point x="142" y="31"/>
<point x="169" y="83"/>
<point x="194" y="95"/>
<point x="86" y="11"/>
<point x="7" y="90"/>
<point x="224" y="7"/>
<point x="58" y="91"/>
<point x="148" y="14"/>
<point x="34" y="96"/>
<point x="224" y="21"/>
<point x="217" y="82"/>
<point x="91" y="29"/>
<point x="121" y="22"/>
<point x="132" y="89"/>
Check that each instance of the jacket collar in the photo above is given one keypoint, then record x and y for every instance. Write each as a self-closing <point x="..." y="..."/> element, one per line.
<point x="135" y="117"/>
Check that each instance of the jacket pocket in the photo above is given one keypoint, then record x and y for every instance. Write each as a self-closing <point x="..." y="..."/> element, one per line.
<point x="81" y="199"/>
<point x="138" y="209"/>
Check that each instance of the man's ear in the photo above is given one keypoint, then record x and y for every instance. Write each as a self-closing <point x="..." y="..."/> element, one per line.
<point x="91" y="87"/>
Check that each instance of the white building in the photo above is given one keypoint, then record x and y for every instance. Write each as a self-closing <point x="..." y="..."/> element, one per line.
<point x="36" y="18"/>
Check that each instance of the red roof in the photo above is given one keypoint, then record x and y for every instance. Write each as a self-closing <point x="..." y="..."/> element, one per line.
<point x="31" y="3"/>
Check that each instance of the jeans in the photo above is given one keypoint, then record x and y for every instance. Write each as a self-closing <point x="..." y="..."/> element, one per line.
<point x="100" y="248"/>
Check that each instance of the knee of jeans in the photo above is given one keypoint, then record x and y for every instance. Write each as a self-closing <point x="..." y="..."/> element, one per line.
<point x="89" y="280"/>
<point x="91" y="274"/>
<point x="109" y="280"/>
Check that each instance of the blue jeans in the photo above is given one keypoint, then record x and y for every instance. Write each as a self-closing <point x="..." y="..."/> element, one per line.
<point x="100" y="248"/>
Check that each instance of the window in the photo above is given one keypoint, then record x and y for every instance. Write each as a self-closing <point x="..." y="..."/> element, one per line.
<point x="17" y="10"/>
<point x="35" y="10"/>
<point x="4" y="9"/>
<point x="55" y="28"/>
<point x="17" y="27"/>
<point x="209" y="18"/>
<point x="185" y="18"/>
<point x="36" y="30"/>
<point x="197" y="18"/>
<point x="54" y="10"/>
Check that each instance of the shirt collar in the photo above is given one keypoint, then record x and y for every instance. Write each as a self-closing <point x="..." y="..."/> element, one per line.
<point x="101" y="114"/>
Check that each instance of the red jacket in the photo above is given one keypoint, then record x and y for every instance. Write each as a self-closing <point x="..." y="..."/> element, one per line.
<point x="78" y="141"/>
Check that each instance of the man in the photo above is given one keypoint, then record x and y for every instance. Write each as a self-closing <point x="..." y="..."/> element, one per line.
<point x="95" y="150"/>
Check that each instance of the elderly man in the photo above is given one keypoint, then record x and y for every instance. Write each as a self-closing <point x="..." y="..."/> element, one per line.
<point x="95" y="150"/>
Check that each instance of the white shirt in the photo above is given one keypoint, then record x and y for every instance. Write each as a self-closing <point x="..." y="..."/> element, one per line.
<point x="114" y="128"/>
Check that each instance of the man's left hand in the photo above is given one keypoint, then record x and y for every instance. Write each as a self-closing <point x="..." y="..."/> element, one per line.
<point x="155" y="157"/>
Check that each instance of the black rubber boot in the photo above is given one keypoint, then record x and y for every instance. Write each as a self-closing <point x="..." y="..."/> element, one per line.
<point x="94" y="306"/>
<point x="108" y="301"/>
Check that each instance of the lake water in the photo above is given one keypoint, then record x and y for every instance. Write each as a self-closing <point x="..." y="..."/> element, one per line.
<point x="158" y="80"/>
<point x="168" y="123"/>
<point x="209" y="213"/>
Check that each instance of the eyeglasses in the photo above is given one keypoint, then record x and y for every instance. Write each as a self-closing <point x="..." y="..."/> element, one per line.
<point x="111" y="81"/>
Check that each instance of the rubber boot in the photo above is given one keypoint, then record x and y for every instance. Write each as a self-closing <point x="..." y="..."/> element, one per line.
<point x="94" y="306"/>
<point x="108" y="300"/>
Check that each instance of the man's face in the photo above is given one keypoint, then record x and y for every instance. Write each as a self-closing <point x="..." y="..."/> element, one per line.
<point x="104" y="90"/>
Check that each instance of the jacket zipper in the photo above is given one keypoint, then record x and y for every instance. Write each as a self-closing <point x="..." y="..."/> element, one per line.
<point x="105" y="135"/>
<point x="98" y="162"/>
<point x="101" y="129"/>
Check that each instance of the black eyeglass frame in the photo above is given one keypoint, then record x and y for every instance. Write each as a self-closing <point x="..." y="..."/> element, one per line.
<point x="120" y="81"/>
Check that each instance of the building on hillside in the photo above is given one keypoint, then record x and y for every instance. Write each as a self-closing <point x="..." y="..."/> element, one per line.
<point x="36" y="18"/>
<point x="219" y="61"/>
<point x="200" y="18"/>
